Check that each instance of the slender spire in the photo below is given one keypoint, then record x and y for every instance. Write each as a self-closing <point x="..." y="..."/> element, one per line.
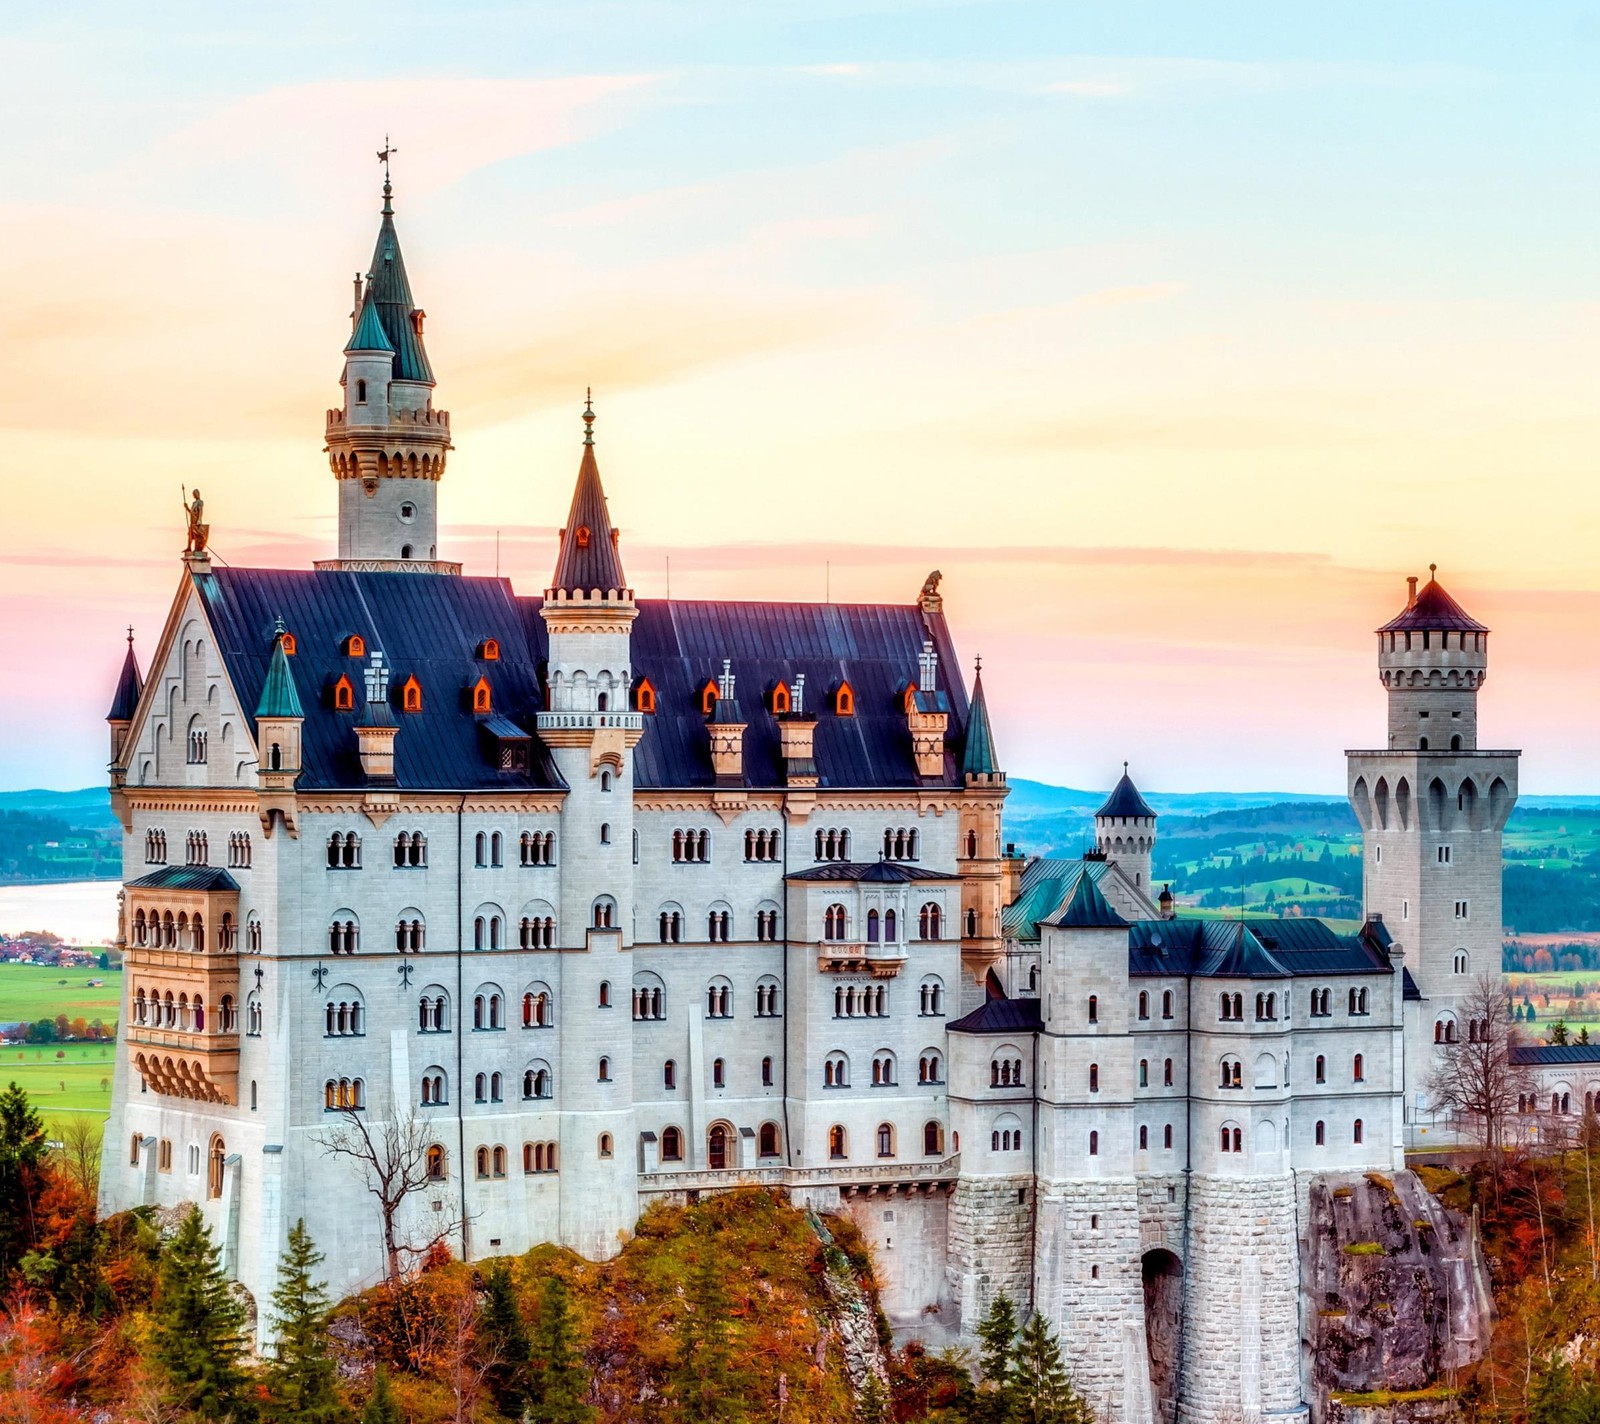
<point x="278" y="695"/>
<point x="978" y="758"/>
<point x="588" y="558"/>
<point x="389" y="288"/>
<point x="588" y="415"/>
<point x="129" y="686"/>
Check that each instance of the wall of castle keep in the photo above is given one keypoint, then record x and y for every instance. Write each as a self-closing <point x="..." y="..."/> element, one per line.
<point x="908" y="1231"/>
<point x="990" y="1237"/>
<point x="1241" y="1355"/>
<point x="1087" y="1283"/>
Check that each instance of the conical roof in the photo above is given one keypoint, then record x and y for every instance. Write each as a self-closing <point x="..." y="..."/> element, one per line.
<point x="390" y="291"/>
<point x="278" y="695"/>
<point x="1089" y="908"/>
<point x="588" y="558"/>
<point x="129" y="685"/>
<point x="978" y="758"/>
<point x="1125" y="800"/>
<point x="1433" y="609"/>
<point x="369" y="334"/>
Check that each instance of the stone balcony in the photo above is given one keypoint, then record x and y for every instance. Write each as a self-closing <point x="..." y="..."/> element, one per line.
<point x="849" y="1178"/>
<point x="882" y="961"/>
<point x="184" y="1063"/>
<point x="589" y="721"/>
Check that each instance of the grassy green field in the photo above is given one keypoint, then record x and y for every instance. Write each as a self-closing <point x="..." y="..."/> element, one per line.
<point x="61" y="1079"/>
<point x="36" y="991"/>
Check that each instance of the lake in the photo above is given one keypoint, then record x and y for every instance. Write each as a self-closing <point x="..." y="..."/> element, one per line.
<point x="83" y="911"/>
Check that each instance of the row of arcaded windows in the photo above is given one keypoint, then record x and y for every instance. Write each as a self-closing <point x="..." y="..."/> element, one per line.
<point x="161" y="1009"/>
<point x="885" y="1074"/>
<point x="836" y="924"/>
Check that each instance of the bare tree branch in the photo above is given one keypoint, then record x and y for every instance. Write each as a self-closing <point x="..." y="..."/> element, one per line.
<point x="393" y="1157"/>
<point x="1477" y="1078"/>
<point x="79" y="1153"/>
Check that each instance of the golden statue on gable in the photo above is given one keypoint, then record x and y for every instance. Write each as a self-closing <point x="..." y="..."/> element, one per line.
<point x="199" y="530"/>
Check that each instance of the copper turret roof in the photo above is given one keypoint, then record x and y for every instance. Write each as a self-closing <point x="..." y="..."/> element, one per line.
<point x="588" y="558"/>
<point x="978" y="758"/>
<point x="390" y="292"/>
<point x="1433" y="608"/>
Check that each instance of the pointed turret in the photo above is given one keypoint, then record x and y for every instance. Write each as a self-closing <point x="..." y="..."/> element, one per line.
<point x="279" y="717"/>
<point x="1088" y="908"/>
<point x="386" y="443"/>
<point x="978" y="761"/>
<point x="279" y="697"/>
<point x="1433" y="656"/>
<point x="130" y="684"/>
<point x="1125" y="830"/>
<point x="589" y="562"/>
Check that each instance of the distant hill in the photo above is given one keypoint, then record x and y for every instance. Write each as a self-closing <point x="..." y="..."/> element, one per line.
<point x="89" y="809"/>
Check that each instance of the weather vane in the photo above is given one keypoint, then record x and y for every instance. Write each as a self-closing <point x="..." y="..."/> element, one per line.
<point x="383" y="156"/>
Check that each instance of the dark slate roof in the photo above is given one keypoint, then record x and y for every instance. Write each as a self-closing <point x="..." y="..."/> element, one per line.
<point x="427" y="626"/>
<point x="389" y="289"/>
<point x="129" y="685"/>
<point x="1088" y="909"/>
<point x="680" y="645"/>
<point x="978" y="756"/>
<point x="1000" y="1016"/>
<point x="588" y="558"/>
<point x="369" y="334"/>
<point x="1434" y="608"/>
<point x="1252" y="949"/>
<point x="1410" y="992"/>
<point x="431" y="627"/>
<point x="186" y="877"/>
<point x="1551" y="1054"/>
<point x="881" y="871"/>
<point x="279" y="696"/>
<point x="1125" y="800"/>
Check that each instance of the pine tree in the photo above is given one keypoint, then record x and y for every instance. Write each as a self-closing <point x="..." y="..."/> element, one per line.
<point x="1041" y="1393"/>
<point x="872" y="1404"/>
<point x="997" y="1339"/>
<point x="381" y="1407"/>
<point x="301" y="1382"/>
<point x="700" y="1376"/>
<point x="197" y="1328"/>
<point x="557" y="1380"/>
<point x="505" y="1338"/>
<point x="22" y="1151"/>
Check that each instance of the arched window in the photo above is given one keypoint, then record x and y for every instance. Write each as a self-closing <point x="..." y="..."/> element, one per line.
<point x="885" y="1139"/>
<point x="671" y="1144"/>
<point x="1322" y="1069"/>
<point x="929" y="921"/>
<point x="216" y="1160"/>
<point x="1094" y="1077"/>
<point x="1322" y="1134"/>
<point x="1094" y="1144"/>
<point x="1358" y="1072"/>
<point x="1094" y="1008"/>
<point x="932" y="1139"/>
<point x="1232" y="1073"/>
<point x="1357" y="1133"/>
<point x="669" y="1075"/>
<point x="604" y="1074"/>
<point x="436" y="1163"/>
<point x="836" y="1071"/>
<point x="837" y="1148"/>
<point x="769" y="1142"/>
<point x="604" y="912"/>
<point x="604" y="1145"/>
<point x="883" y="1074"/>
<point x="1144" y="1004"/>
<point x="481" y="1157"/>
<point x="833" y="923"/>
<point x="930" y="1067"/>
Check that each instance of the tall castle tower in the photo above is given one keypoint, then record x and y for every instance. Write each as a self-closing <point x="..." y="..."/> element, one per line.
<point x="387" y="444"/>
<point x="1432" y="808"/>
<point x="591" y="730"/>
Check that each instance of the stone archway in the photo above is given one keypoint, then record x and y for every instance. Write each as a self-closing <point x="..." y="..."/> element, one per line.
<point x="1163" y="1328"/>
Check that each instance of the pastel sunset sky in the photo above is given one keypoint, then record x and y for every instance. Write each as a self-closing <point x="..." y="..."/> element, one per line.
<point x="1175" y="335"/>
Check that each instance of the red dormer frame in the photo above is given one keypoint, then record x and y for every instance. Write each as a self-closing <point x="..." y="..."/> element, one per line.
<point x="778" y="701"/>
<point x="708" y="697"/>
<point x="482" y="696"/>
<point x="411" y="695"/>
<point x="355" y="646"/>
<point x="489" y="650"/>
<point x="844" y="700"/>
<point x="644" y="695"/>
<point x="909" y="698"/>
<point x="287" y="639"/>
<point x="344" y="695"/>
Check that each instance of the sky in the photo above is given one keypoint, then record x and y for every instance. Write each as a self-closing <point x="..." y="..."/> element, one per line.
<point x="1175" y="336"/>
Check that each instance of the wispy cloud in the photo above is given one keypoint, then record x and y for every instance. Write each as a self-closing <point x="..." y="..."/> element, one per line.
<point x="1091" y="88"/>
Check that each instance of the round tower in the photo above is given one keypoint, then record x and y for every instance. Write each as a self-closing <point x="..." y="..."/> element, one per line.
<point x="1125" y="831"/>
<point x="1433" y="658"/>
<point x="386" y="443"/>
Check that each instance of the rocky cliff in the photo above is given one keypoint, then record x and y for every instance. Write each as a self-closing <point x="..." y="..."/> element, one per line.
<point x="1396" y="1297"/>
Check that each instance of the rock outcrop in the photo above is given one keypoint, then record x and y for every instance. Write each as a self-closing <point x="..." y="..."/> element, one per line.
<point x="1396" y="1294"/>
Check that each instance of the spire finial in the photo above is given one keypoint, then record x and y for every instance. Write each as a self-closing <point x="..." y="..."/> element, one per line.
<point x="383" y="157"/>
<point x="588" y="415"/>
<point x="977" y="664"/>
<point x="130" y="635"/>
<point x="1124" y="768"/>
<point x="278" y="630"/>
<point x="1432" y="570"/>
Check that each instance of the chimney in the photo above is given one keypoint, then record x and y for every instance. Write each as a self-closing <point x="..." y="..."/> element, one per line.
<point x="797" y="738"/>
<point x="376" y="731"/>
<point x="727" y="731"/>
<point x="1164" y="902"/>
<point x="926" y="716"/>
<point x="1411" y="593"/>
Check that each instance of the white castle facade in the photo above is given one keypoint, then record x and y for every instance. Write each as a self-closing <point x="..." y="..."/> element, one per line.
<point x="595" y="898"/>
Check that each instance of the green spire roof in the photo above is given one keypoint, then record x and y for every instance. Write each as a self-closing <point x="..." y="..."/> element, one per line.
<point x="369" y="334"/>
<point x="390" y="292"/>
<point x="1089" y="909"/>
<point x="979" y="759"/>
<point x="278" y="696"/>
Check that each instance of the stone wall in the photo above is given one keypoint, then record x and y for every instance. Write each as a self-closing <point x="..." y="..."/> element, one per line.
<point x="990" y="1235"/>
<point x="1241" y="1351"/>
<point x="907" y="1229"/>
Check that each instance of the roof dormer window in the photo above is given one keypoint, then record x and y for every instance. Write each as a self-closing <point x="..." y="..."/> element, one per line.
<point x="583" y="536"/>
<point x="344" y="695"/>
<point x="708" y="697"/>
<point x="411" y="695"/>
<point x="417" y="319"/>
<point x="287" y="639"/>
<point x="780" y="699"/>
<point x="489" y="650"/>
<point x="482" y="699"/>
<point x="644" y="696"/>
<point x="844" y="701"/>
<point x="355" y="646"/>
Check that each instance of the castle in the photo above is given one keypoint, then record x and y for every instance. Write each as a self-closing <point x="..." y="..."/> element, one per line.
<point x="566" y="902"/>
